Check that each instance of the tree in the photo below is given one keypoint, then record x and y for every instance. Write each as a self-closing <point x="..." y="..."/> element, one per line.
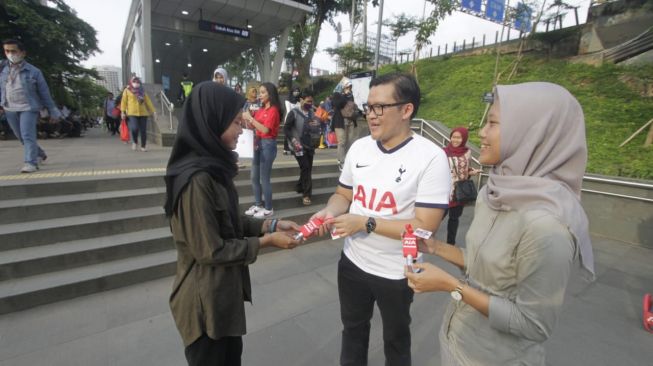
<point x="242" y="67"/>
<point x="305" y="34"/>
<point x="427" y="26"/>
<point x="400" y="26"/>
<point x="350" y="56"/>
<point x="56" y="41"/>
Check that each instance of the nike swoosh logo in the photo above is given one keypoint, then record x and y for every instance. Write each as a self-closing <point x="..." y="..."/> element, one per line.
<point x="361" y="166"/>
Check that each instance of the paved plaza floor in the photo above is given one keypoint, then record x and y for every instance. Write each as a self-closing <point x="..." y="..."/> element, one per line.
<point x="294" y="318"/>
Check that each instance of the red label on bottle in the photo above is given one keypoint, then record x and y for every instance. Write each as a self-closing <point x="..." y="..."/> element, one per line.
<point x="409" y="242"/>
<point x="311" y="227"/>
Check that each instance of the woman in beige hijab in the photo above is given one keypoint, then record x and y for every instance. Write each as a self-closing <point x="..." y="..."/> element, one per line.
<point x="528" y="229"/>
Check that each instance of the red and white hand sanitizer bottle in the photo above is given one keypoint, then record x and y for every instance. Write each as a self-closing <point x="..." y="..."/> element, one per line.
<point x="309" y="229"/>
<point x="409" y="244"/>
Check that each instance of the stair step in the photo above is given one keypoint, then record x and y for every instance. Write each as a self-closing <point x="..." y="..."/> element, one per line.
<point x="44" y="208"/>
<point x="24" y="293"/>
<point x="31" y="261"/>
<point x="114" y="181"/>
<point x="33" y="233"/>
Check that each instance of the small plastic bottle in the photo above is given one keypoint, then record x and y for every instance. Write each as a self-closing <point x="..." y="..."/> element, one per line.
<point x="309" y="229"/>
<point x="409" y="245"/>
<point x="297" y="146"/>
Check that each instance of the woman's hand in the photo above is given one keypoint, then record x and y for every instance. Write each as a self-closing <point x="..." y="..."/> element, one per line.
<point x="283" y="240"/>
<point x="430" y="279"/>
<point x="473" y="171"/>
<point x="348" y="224"/>
<point x="287" y="226"/>
<point x="428" y="245"/>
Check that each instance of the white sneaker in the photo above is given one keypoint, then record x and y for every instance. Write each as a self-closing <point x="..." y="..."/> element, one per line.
<point x="143" y="149"/>
<point x="263" y="213"/>
<point x="28" y="168"/>
<point x="134" y="146"/>
<point x="252" y="210"/>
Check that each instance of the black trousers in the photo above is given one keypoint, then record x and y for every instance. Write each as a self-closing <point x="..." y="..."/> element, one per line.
<point x="205" y="351"/>
<point x="305" y="183"/>
<point x="452" y="225"/>
<point x="358" y="291"/>
<point x="112" y="124"/>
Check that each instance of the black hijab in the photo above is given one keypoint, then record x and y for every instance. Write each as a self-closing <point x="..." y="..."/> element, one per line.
<point x="208" y="112"/>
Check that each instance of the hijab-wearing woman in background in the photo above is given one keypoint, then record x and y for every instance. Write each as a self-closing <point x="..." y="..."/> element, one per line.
<point x="220" y="76"/>
<point x="136" y="106"/>
<point x="528" y="229"/>
<point x="458" y="154"/>
<point x="266" y="121"/>
<point x="215" y="244"/>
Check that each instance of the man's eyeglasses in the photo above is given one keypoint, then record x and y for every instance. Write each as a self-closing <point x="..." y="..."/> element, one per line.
<point x="378" y="108"/>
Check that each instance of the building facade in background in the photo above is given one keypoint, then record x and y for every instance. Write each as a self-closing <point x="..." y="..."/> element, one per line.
<point x="111" y="78"/>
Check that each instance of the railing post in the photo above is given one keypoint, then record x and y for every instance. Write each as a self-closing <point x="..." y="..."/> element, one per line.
<point x="496" y="37"/>
<point x="464" y="44"/>
<point x="445" y="48"/>
<point x="473" y="41"/>
<point x="454" y="46"/>
<point x="483" y="39"/>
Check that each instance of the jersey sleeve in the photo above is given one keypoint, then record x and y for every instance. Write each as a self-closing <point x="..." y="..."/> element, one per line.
<point x="435" y="185"/>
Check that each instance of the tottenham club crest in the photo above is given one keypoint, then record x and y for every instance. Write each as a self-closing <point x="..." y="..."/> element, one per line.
<point x="401" y="172"/>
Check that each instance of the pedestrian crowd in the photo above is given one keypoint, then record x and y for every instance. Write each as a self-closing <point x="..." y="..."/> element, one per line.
<point x="527" y="231"/>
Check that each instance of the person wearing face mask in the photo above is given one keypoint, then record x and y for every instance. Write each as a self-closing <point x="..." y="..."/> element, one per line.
<point x="220" y="76"/>
<point x="302" y="130"/>
<point x="137" y="106"/>
<point x="24" y="92"/>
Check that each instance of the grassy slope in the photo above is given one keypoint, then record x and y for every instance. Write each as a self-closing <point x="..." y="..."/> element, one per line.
<point x="452" y="90"/>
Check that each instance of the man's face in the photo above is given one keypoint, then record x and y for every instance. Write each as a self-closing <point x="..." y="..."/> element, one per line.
<point x="391" y="123"/>
<point x="13" y="50"/>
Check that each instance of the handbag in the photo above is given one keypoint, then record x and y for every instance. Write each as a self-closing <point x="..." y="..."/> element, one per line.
<point x="464" y="190"/>
<point x="124" y="130"/>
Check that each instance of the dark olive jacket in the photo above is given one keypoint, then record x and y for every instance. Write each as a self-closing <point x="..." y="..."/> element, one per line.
<point x="212" y="281"/>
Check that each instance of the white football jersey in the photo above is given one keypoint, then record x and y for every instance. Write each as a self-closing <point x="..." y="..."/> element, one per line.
<point x="389" y="184"/>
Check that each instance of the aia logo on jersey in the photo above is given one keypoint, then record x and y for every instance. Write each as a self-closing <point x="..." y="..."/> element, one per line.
<point x="385" y="200"/>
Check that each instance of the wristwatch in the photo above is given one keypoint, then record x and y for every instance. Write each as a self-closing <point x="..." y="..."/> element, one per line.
<point x="370" y="225"/>
<point x="457" y="293"/>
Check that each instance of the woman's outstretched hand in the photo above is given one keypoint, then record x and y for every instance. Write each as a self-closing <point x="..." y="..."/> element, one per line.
<point x="431" y="278"/>
<point x="279" y="239"/>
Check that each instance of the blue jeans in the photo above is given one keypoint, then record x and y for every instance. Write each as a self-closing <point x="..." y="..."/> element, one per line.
<point x="138" y="124"/>
<point x="264" y="156"/>
<point x="24" y="126"/>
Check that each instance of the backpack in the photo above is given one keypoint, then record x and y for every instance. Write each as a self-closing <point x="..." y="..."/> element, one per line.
<point x="312" y="129"/>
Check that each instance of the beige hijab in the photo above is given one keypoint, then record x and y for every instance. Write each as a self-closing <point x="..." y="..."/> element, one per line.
<point x="543" y="157"/>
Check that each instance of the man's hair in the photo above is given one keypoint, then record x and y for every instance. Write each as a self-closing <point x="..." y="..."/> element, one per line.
<point x="18" y="43"/>
<point x="306" y="93"/>
<point x="405" y="87"/>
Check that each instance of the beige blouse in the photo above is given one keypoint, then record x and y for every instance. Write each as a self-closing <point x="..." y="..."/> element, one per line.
<point x="523" y="261"/>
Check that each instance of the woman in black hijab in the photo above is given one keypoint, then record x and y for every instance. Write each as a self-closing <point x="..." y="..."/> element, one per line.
<point x="214" y="243"/>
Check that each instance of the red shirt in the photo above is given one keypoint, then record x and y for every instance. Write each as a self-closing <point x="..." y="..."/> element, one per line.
<point x="270" y="118"/>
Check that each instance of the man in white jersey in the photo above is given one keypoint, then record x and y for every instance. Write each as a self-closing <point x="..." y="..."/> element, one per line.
<point x="391" y="178"/>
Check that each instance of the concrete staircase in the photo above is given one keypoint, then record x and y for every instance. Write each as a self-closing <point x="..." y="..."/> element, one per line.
<point x="64" y="239"/>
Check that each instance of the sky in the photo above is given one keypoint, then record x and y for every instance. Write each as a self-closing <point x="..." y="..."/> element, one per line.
<point x="109" y="18"/>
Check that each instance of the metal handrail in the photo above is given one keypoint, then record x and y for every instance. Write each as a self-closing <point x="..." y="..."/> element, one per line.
<point x="167" y="105"/>
<point x="445" y="139"/>
<point x="619" y="182"/>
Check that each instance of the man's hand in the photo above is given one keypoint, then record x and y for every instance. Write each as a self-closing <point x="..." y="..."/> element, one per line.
<point x="327" y="219"/>
<point x="348" y="224"/>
